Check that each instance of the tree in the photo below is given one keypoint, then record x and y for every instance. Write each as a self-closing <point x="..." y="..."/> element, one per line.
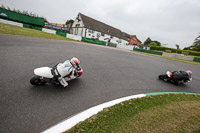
<point x="195" y="46"/>
<point x="197" y="42"/>
<point x="141" y="46"/>
<point x="8" y="8"/>
<point x="157" y="43"/>
<point x="2" y="6"/>
<point x="45" y="20"/>
<point x="18" y="11"/>
<point x="153" y="43"/>
<point x="21" y="12"/>
<point x="177" y="46"/>
<point x="148" y="41"/>
<point x="69" y="22"/>
<point x="186" y="48"/>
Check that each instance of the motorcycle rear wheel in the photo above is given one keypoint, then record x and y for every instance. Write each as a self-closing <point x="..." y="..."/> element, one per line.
<point x="37" y="81"/>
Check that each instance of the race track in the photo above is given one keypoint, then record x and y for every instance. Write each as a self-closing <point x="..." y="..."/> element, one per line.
<point x="108" y="74"/>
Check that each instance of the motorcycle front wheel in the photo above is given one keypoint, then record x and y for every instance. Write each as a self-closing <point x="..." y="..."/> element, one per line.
<point x="163" y="76"/>
<point x="37" y="81"/>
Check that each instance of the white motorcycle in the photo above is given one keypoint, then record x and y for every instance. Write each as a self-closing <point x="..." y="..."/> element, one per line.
<point x="45" y="75"/>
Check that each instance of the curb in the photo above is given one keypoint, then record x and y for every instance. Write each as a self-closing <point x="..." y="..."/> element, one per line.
<point x="72" y="121"/>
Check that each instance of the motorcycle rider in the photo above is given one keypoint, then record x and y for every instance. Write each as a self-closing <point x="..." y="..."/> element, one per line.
<point x="66" y="70"/>
<point x="179" y="75"/>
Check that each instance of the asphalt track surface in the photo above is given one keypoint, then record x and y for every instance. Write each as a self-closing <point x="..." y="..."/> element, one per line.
<point x="108" y="74"/>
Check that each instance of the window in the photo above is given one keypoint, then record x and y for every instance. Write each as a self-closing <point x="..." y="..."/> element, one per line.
<point x="98" y="34"/>
<point x="90" y="31"/>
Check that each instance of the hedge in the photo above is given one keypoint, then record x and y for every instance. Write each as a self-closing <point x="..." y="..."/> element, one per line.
<point x="194" y="53"/>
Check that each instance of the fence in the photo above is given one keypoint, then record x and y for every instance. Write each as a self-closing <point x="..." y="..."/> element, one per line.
<point x="179" y="56"/>
<point x="74" y="37"/>
<point x="11" y="23"/>
<point x="128" y="47"/>
<point x="11" y="15"/>
<point x="192" y="53"/>
<point x="48" y="31"/>
<point x="172" y="55"/>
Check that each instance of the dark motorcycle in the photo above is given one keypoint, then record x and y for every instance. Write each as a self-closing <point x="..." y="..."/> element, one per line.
<point x="177" y="77"/>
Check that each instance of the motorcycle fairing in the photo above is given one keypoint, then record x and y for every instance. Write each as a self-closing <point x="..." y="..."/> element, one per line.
<point x="43" y="72"/>
<point x="169" y="74"/>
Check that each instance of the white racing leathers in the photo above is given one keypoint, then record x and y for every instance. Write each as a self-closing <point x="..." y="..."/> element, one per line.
<point x="67" y="72"/>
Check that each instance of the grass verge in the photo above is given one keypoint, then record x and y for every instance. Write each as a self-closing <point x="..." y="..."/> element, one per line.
<point x="170" y="58"/>
<point x="156" y="113"/>
<point x="15" y="30"/>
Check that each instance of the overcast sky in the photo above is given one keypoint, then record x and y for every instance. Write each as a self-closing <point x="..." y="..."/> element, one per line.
<point x="167" y="21"/>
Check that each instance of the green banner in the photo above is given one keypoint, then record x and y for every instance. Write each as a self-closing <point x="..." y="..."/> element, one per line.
<point x="32" y="27"/>
<point x="61" y="33"/>
<point x="90" y="40"/>
<point x="21" y="17"/>
<point x="148" y="51"/>
<point x="197" y="59"/>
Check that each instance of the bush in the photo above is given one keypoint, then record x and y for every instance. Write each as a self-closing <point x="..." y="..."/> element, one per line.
<point x="194" y="53"/>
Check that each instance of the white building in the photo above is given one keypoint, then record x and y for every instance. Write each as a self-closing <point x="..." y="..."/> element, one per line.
<point x="90" y="28"/>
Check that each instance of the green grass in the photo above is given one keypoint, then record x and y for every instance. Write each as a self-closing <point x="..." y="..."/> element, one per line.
<point x="14" y="30"/>
<point x="170" y="58"/>
<point x="177" y="113"/>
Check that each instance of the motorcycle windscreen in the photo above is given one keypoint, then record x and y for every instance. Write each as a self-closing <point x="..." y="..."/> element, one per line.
<point x="43" y="72"/>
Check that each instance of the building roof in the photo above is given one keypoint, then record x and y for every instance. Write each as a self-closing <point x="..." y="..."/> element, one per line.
<point x="130" y="36"/>
<point x="127" y="35"/>
<point x="96" y="25"/>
